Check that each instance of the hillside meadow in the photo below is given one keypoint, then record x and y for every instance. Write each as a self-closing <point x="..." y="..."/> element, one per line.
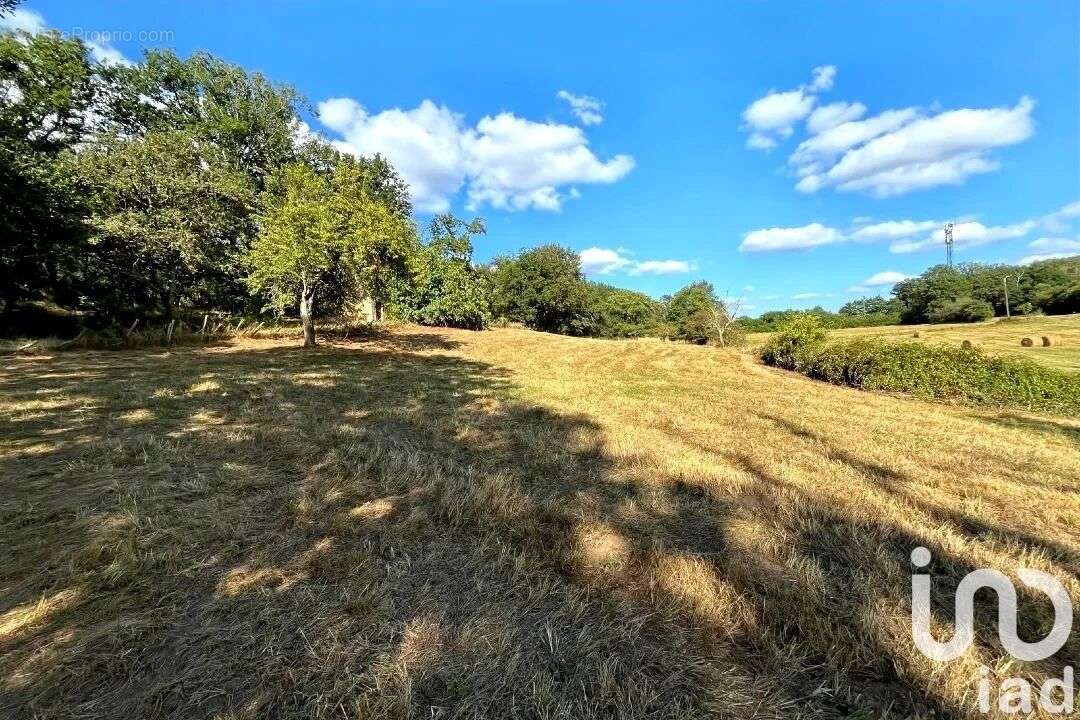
<point x="446" y="524"/>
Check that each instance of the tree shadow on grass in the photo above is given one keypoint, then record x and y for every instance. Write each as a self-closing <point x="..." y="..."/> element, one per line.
<point x="901" y="486"/>
<point x="1044" y="426"/>
<point x="368" y="531"/>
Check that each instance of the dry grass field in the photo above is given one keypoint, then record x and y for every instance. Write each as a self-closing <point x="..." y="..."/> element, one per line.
<point x="997" y="337"/>
<point x="444" y="524"/>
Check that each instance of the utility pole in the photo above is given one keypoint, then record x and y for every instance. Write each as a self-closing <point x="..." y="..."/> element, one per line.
<point x="1005" y="281"/>
<point x="948" y="243"/>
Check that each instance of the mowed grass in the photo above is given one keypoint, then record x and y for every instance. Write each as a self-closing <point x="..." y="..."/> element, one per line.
<point x="997" y="337"/>
<point x="438" y="523"/>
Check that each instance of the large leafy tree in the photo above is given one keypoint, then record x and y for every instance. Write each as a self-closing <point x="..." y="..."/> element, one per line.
<point x="46" y="90"/>
<point x="617" y="312"/>
<point x="180" y="150"/>
<point x="239" y="116"/>
<point x="380" y="242"/>
<point x="170" y="222"/>
<point x="688" y="311"/>
<point x="321" y="232"/>
<point x="297" y="247"/>
<point x="542" y="288"/>
<point x="446" y="288"/>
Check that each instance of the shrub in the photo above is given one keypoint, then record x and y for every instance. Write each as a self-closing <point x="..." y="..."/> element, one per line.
<point x="932" y="371"/>
<point x="615" y="313"/>
<point x="963" y="309"/>
<point x="799" y="336"/>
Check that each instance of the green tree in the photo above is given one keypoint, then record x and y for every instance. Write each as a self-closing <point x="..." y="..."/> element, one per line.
<point x="316" y="227"/>
<point x="871" y="306"/>
<point x="542" y="288"/>
<point x="943" y="294"/>
<point x="178" y="154"/>
<point x="170" y="222"/>
<point x="447" y="289"/>
<point x="296" y="246"/>
<point x="940" y="284"/>
<point x="249" y="122"/>
<point x="46" y="89"/>
<point x="379" y="243"/>
<point x="616" y="312"/>
<point x="688" y="312"/>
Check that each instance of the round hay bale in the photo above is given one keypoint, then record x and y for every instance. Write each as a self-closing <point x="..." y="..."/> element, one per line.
<point x="1047" y="341"/>
<point x="966" y="345"/>
<point x="915" y="334"/>
<point x="1026" y="342"/>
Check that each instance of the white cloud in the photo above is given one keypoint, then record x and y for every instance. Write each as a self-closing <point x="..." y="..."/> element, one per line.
<point x="505" y="161"/>
<point x="589" y="110"/>
<point x="813" y="155"/>
<point x="604" y="261"/>
<point x="1055" y="245"/>
<point x="661" y="267"/>
<point x="101" y="51"/>
<point x="833" y="114"/>
<point x="772" y="117"/>
<point x="760" y="141"/>
<point x="511" y="162"/>
<point x="424" y="144"/>
<point x="795" y="238"/>
<point x="106" y="54"/>
<point x="1028" y="259"/>
<point x="823" y="78"/>
<point x="1059" y="220"/>
<point x="921" y="152"/>
<point x="881" y="279"/>
<point x="966" y="234"/>
<point x="24" y="20"/>
<point x="894" y="229"/>
<point x="778" y="111"/>
<point x="810" y="296"/>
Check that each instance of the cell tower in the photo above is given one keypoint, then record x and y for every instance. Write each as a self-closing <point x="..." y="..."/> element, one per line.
<point x="948" y="243"/>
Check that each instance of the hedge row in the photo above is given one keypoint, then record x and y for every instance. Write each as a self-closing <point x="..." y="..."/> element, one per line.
<point x="925" y="370"/>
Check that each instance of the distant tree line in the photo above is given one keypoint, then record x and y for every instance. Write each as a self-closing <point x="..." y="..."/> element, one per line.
<point x="863" y="312"/>
<point x="974" y="291"/>
<point x="177" y="186"/>
<point x="966" y="293"/>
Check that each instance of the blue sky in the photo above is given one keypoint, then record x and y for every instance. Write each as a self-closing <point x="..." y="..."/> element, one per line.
<point x="788" y="152"/>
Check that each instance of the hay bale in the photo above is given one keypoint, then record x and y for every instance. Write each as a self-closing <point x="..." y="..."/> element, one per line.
<point x="1026" y="342"/>
<point x="966" y="345"/>
<point x="1047" y="341"/>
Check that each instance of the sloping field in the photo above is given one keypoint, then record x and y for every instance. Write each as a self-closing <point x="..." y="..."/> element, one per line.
<point x="437" y="524"/>
<point x="997" y="336"/>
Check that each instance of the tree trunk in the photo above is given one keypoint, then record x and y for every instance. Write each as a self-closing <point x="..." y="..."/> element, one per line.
<point x="307" y="300"/>
<point x="378" y="307"/>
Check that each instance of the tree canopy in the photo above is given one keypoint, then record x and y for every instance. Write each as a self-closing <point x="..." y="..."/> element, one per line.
<point x="319" y="229"/>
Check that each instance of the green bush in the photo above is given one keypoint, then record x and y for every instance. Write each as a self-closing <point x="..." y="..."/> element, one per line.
<point x="798" y="336"/>
<point x="963" y="309"/>
<point x="925" y="370"/>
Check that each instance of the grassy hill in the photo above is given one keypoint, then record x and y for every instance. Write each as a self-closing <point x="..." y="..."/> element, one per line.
<point x="997" y="336"/>
<point x="511" y="524"/>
